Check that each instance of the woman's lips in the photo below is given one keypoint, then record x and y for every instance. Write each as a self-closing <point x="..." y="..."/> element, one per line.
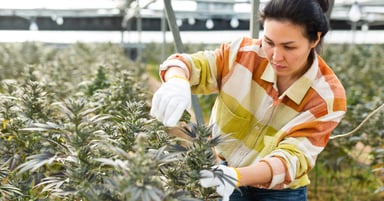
<point x="279" y="67"/>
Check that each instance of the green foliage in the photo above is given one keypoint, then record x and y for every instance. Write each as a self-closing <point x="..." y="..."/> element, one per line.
<point x="100" y="81"/>
<point x="343" y="164"/>
<point x="71" y="132"/>
<point x="197" y="155"/>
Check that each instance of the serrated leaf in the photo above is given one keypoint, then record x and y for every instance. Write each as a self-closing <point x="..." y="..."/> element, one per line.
<point x="34" y="162"/>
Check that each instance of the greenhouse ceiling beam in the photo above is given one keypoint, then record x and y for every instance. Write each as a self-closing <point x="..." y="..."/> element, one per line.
<point x="62" y="13"/>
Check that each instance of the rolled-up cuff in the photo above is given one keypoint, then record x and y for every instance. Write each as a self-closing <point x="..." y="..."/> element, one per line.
<point x="172" y="63"/>
<point x="278" y="172"/>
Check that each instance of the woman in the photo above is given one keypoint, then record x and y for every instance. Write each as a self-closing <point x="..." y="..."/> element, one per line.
<point x="277" y="100"/>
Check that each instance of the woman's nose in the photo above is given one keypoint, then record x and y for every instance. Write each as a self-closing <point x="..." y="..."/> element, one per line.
<point x="277" y="55"/>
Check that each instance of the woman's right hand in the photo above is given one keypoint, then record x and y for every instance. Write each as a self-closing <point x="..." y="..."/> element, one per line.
<point x="171" y="100"/>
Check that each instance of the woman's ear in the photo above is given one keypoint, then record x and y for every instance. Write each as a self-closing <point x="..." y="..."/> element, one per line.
<point x="315" y="42"/>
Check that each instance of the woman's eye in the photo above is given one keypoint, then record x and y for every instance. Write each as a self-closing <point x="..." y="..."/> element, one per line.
<point x="289" y="47"/>
<point x="269" y="43"/>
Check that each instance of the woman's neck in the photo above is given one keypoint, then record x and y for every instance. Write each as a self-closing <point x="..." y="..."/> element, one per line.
<point x="284" y="82"/>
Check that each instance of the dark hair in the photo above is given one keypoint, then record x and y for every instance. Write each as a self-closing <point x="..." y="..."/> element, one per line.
<point x="309" y="13"/>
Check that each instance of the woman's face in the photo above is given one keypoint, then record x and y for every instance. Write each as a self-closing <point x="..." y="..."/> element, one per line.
<point x="286" y="48"/>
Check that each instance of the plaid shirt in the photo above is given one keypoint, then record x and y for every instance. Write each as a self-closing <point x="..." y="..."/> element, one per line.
<point x="286" y="131"/>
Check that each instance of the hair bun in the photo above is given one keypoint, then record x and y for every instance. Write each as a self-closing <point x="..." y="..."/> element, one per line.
<point x="324" y="4"/>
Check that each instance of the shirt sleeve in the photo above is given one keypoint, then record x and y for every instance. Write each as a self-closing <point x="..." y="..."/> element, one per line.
<point x="297" y="152"/>
<point x="205" y="69"/>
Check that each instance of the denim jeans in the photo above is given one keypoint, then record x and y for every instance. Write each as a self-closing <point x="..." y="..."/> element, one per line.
<point x="257" y="194"/>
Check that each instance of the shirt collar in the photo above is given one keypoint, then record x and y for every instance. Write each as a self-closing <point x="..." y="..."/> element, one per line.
<point x="296" y="92"/>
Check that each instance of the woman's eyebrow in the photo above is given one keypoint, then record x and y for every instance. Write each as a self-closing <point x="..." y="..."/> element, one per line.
<point x="285" y="43"/>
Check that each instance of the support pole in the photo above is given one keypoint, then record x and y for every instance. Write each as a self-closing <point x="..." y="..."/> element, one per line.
<point x="180" y="48"/>
<point x="254" y="22"/>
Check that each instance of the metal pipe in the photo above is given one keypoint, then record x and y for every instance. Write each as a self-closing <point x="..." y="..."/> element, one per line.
<point x="254" y="22"/>
<point x="180" y="48"/>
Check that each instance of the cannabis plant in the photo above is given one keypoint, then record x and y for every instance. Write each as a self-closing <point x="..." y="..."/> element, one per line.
<point x="197" y="154"/>
<point x="21" y="105"/>
<point x="136" y="176"/>
<point x="67" y="152"/>
<point x="8" y="191"/>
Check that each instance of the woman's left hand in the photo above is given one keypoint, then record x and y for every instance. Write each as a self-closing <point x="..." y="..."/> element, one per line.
<point x="224" y="178"/>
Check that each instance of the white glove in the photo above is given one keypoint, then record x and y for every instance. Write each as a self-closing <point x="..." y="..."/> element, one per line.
<point x="171" y="100"/>
<point x="224" y="178"/>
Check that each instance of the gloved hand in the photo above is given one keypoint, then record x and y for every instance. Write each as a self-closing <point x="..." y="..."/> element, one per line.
<point x="224" y="178"/>
<point x="171" y="100"/>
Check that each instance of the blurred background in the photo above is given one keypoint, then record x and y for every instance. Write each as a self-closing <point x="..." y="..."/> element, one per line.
<point x="68" y="21"/>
